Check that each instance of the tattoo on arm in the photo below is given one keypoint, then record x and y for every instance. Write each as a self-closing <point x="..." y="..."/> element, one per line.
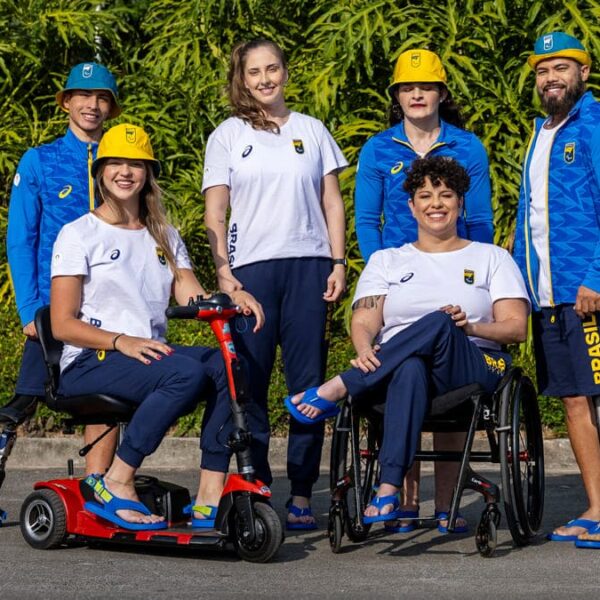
<point x="367" y="302"/>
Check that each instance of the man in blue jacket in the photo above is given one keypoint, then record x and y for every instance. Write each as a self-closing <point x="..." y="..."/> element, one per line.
<point x="53" y="186"/>
<point x="557" y="246"/>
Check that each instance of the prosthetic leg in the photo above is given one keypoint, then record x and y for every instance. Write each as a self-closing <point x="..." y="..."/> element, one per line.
<point x="16" y="412"/>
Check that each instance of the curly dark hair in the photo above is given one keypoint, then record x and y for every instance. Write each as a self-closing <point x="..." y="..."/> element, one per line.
<point x="439" y="169"/>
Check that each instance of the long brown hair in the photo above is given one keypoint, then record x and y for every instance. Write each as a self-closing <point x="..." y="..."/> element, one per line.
<point x="152" y="212"/>
<point x="243" y="104"/>
<point x="449" y="110"/>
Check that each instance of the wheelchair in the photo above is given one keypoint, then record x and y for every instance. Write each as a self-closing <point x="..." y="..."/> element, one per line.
<point x="511" y="421"/>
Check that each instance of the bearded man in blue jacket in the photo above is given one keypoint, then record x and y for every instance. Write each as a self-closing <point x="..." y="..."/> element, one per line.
<point x="557" y="246"/>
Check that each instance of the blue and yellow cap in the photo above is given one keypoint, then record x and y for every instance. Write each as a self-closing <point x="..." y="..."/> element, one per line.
<point x="418" y="66"/>
<point x="92" y="76"/>
<point x="556" y="45"/>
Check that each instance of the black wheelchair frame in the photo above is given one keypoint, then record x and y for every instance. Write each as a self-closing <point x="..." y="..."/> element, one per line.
<point x="511" y="421"/>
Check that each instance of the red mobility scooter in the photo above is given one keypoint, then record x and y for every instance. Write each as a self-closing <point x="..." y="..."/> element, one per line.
<point x="54" y="513"/>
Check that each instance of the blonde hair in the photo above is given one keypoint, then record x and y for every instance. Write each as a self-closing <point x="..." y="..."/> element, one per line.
<point x="243" y="104"/>
<point x="152" y="212"/>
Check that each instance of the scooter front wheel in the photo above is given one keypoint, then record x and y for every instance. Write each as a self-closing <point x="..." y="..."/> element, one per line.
<point x="268" y="538"/>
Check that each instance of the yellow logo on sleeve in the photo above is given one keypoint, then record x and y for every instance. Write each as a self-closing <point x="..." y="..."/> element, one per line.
<point x="397" y="168"/>
<point x="65" y="191"/>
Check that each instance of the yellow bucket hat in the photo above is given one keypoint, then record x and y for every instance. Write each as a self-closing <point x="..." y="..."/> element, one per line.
<point x="418" y="66"/>
<point x="126" y="141"/>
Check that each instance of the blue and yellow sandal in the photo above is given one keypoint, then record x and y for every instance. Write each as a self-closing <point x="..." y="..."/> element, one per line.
<point x="208" y="511"/>
<point x="109" y="504"/>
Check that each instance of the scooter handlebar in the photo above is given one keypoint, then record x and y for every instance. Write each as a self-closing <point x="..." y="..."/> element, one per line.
<point x="182" y="312"/>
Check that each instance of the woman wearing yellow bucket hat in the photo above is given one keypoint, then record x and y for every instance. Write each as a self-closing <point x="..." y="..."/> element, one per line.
<point x="113" y="272"/>
<point x="424" y="121"/>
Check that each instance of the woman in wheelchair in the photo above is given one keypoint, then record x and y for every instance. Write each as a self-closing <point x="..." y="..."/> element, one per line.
<point x="113" y="272"/>
<point x="428" y="317"/>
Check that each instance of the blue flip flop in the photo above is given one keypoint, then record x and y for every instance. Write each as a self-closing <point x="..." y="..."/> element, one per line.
<point x="109" y="505"/>
<point x="208" y="510"/>
<point x="443" y="516"/>
<point x="330" y="409"/>
<point x="589" y="543"/>
<point x="404" y="514"/>
<point x="379" y="502"/>
<point x="585" y="523"/>
<point x="299" y="512"/>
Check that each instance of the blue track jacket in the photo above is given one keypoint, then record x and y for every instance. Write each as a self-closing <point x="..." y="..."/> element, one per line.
<point x="573" y="205"/>
<point x="53" y="186"/>
<point x="381" y="173"/>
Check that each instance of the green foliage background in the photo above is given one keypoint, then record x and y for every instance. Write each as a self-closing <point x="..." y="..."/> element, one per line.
<point x="171" y="56"/>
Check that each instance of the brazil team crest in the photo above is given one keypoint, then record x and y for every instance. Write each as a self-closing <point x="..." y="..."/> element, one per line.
<point x="469" y="276"/>
<point x="130" y="135"/>
<point x="298" y="146"/>
<point x="548" y="42"/>
<point x="162" y="259"/>
<point x="415" y="60"/>
<point x="569" y="154"/>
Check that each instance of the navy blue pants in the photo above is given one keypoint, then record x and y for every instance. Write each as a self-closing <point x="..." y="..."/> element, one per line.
<point x="431" y="357"/>
<point x="33" y="372"/>
<point x="291" y="293"/>
<point x="165" y="390"/>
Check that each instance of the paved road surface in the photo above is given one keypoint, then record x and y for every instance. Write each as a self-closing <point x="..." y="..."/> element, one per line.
<point x="423" y="564"/>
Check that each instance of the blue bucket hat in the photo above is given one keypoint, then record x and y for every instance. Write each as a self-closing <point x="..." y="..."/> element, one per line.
<point x="556" y="45"/>
<point x="92" y="76"/>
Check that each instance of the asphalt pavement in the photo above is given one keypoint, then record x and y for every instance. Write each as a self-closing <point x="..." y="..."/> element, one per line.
<point x="421" y="564"/>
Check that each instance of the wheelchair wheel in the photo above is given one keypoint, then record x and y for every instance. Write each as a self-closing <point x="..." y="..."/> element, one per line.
<point x="353" y="470"/>
<point x="521" y="448"/>
<point x="44" y="520"/>
<point x="486" y="538"/>
<point x="335" y="529"/>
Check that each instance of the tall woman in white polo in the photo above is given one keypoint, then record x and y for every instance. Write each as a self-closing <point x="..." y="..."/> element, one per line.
<point x="276" y="172"/>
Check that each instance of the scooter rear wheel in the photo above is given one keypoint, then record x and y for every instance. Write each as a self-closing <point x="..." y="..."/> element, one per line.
<point x="44" y="520"/>
<point x="269" y="535"/>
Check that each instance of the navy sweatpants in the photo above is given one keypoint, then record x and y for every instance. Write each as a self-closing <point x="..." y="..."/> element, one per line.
<point x="291" y="293"/>
<point x="165" y="390"/>
<point x="432" y="356"/>
<point x="33" y="372"/>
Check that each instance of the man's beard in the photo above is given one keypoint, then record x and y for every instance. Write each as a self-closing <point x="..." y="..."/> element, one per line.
<point x="561" y="106"/>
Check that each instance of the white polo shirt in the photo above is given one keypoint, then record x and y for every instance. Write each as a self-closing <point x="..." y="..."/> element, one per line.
<point x="275" y="185"/>
<point x="126" y="278"/>
<point x="416" y="283"/>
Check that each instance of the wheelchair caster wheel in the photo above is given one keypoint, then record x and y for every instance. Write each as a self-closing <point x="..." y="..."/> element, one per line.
<point x="486" y="538"/>
<point x="335" y="529"/>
